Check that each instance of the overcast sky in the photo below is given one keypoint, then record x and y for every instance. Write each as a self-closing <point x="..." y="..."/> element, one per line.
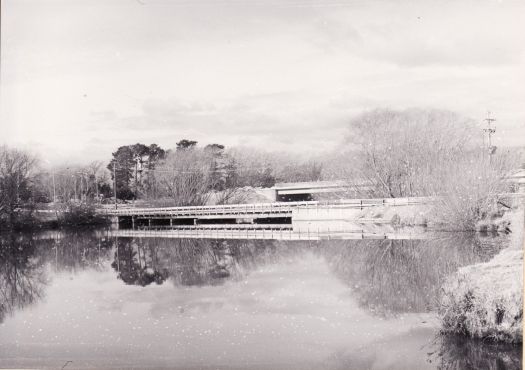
<point x="81" y="77"/>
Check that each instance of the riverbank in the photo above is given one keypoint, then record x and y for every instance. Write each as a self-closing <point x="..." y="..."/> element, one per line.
<point x="431" y="216"/>
<point x="53" y="218"/>
<point x="486" y="300"/>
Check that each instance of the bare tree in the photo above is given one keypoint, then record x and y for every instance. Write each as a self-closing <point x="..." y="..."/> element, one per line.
<point x="399" y="151"/>
<point x="184" y="177"/>
<point x="471" y="188"/>
<point x="94" y="171"/>
<point x="16" y="171"/>
<point x="427" y="153"/>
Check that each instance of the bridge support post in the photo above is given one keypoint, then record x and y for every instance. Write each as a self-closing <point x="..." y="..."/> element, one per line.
<point x="133" y="222"/>
<point x="149" y="223"/>
<point x="171" y="222"/>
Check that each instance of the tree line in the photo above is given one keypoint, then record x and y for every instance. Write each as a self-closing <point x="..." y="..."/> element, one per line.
<point x="193" y="175"/>
<point x="405" y="153"/>
<point x="187" y="174"/>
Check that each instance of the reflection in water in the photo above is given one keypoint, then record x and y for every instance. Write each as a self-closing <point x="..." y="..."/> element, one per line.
<point x="22" y="274"/>
<point x="457" y="353"/>
<point x="190" y="261"/>
<point x="137" y="264"/>
<point x="319" y="292"/>
<point x="399" y="276"/>
<point x="25" y="258"/>
<point x="387" y="276"/>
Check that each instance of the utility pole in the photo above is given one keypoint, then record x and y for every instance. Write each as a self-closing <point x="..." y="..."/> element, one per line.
<point x="136" y="173"/>
<point x="54" y="189"/>
<point x="115" y="183"/>
<point x="76" y="197"/>
<point x="18" y="187"/>
<point x="96" y="188"/>
<point x="81" y="187"/>
<point x="489" y="130"/>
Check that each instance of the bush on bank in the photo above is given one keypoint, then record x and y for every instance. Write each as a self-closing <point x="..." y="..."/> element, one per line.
<point x="431" y="153"/>
<point x="486" y="300"/>
<point x="80" y="215"/>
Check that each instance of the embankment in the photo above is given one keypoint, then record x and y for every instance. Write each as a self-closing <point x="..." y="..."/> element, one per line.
<point x="52" y="218"/>
<point x="486" y="300"/>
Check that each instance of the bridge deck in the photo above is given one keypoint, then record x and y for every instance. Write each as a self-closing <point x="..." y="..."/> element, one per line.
<point x="278" y="209"/>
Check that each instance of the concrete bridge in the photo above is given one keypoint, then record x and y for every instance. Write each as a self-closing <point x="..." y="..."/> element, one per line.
<point x="304" y="191"/>
<point x="267" y="214"/>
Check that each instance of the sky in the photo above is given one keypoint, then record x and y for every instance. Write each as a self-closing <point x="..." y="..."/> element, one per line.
<point x="79" y="78"/>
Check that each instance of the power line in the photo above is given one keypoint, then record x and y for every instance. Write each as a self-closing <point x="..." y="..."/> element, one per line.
<point x="490" y="131"/>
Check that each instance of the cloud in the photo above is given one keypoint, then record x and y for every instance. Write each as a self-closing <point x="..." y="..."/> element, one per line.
<point x="427" y="33"/>
<point x="264" y="121"/>
<point x="277" y="74"/>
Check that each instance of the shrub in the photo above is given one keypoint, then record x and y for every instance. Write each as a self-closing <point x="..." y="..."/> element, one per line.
<point x="486" y="300"/>
<point x="429" y="153"/>
<point x="80" y="214"/>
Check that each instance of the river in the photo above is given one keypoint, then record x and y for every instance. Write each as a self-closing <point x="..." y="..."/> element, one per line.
<point x="92" y="299"/>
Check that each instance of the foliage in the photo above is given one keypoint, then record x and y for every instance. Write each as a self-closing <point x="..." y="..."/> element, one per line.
<point x="69" y="183"/>
<point x="486" y="300"/>
<point x="183" y="177"/>
<point x="301" y="171"/>
<point x="78" y="214"/>
<point x="428" y="153"/>
<point x="192" y="172"/>
<point x="16" y="175"/>
<point x="191" y="175"/>
<point x="469" y="189"/>
<point x="186" y="144"/>
<point x="400" y="152"/>
<point x="258" y="168"/>
<point x="252" y="167"/>
<point x="133" y="166"/>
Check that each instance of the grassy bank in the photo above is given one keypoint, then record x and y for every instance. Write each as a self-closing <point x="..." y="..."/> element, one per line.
<point x="80" y="215"/>
<point x="430" y="215"/>
<point x="63" y="215"/>
<point x="486" y="300"/>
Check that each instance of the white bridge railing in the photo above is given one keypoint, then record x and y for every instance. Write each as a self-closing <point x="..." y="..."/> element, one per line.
<point x="280" y="208"/>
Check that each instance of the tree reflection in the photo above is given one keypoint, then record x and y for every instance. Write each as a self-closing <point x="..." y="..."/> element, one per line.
<point x="386" y="276"/>
<point x="137" y="263"/>
<point x="75" y="250"/>
<point x="399" y="276"/>
<point x="26" y="259"/>
<point x="189" y="262"/>
<point x="22" y="274"/>
<point x="459" y="353"/>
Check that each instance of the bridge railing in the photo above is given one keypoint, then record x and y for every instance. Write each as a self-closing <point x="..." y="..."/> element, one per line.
<point x="258" y="208"/>
<point x="209" y="210"/>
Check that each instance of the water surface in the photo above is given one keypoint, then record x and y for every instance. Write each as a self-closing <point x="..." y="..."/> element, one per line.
<point x="102" y="301"/>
